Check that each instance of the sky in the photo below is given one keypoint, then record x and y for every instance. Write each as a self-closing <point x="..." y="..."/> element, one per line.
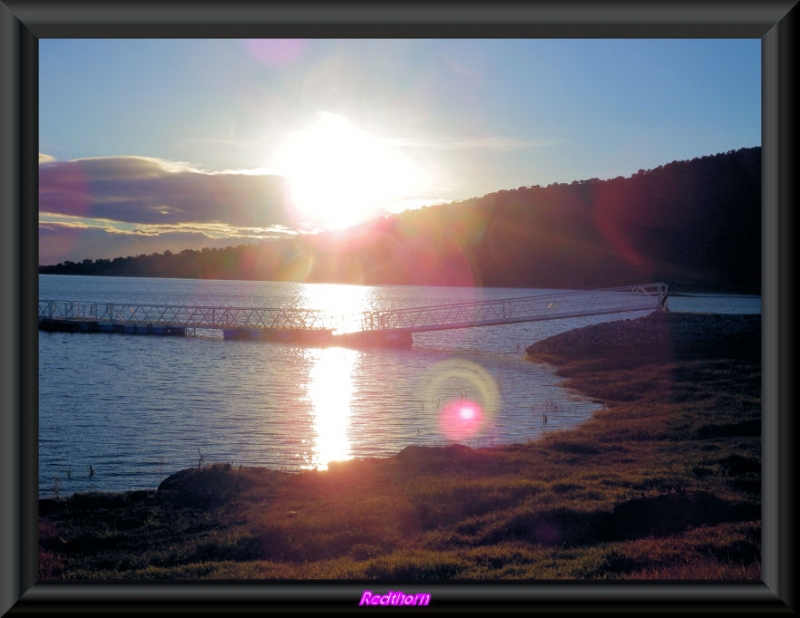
<point x="148" y="145"/>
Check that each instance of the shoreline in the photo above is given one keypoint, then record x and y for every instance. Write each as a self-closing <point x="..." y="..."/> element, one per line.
<point x="679" y="434"/>
<point x="658" y="336"/>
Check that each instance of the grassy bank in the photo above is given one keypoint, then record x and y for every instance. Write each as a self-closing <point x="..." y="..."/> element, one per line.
<point x="662" y="483"/>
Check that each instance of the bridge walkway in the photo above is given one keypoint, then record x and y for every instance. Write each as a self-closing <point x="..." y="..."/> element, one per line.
<point x="308" y="325"/>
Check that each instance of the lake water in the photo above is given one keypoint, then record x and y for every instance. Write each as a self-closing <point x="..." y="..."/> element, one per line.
<point x="122" y="412"/>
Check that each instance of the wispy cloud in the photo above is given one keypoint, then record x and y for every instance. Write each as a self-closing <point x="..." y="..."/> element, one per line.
<point x="154" y="191"/>
<point x="209" y="230"/>
<point x="221" y="141"/>
<point x="59" y="242"/>
<point x="78" y="239"/>
<point x="502" y="144"/>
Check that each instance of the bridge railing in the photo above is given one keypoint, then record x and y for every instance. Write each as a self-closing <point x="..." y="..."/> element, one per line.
<point x="191" y="316"/>
<point x="547" y="305"/>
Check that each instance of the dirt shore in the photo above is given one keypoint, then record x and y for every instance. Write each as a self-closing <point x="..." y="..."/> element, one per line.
<point x="662" y="335"/>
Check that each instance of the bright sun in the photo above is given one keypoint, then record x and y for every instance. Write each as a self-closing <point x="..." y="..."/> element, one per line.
<point x="340" y="175"/>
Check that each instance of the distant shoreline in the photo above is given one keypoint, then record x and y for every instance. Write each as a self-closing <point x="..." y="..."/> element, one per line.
<point x="685" y="289"/>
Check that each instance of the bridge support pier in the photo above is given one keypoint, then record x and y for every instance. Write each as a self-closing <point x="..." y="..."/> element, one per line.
<point x="93" y="326"/>
<point x="375" y="339"/>
<point x="313" y="337"/>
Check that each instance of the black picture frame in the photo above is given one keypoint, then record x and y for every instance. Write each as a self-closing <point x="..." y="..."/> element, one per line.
<point x="24" y="22"/>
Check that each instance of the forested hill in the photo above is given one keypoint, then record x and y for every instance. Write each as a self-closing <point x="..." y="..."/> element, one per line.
<point x="693" y="224"/>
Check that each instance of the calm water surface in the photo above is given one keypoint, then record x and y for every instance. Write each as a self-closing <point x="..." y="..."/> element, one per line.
<point x="135" y="409"/>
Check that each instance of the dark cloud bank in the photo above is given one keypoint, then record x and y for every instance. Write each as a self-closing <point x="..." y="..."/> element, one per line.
<point x="101" y="206"/>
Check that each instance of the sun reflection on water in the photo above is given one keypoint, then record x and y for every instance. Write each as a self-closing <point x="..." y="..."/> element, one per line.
<point x="330" y="391"/>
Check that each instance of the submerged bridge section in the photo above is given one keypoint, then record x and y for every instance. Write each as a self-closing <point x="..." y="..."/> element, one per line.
<point x="399" y="324"/>
<point x="311" y="326"/>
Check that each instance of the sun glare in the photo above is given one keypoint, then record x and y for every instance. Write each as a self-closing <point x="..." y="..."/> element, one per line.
<point x="340" y="174"/>
<point x="343" y="304"/>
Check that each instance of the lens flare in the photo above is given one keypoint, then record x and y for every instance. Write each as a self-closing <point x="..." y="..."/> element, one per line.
<point x="465" y="396"/>
<point x="275" y="53"/>
<point x="461" y="419"/>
